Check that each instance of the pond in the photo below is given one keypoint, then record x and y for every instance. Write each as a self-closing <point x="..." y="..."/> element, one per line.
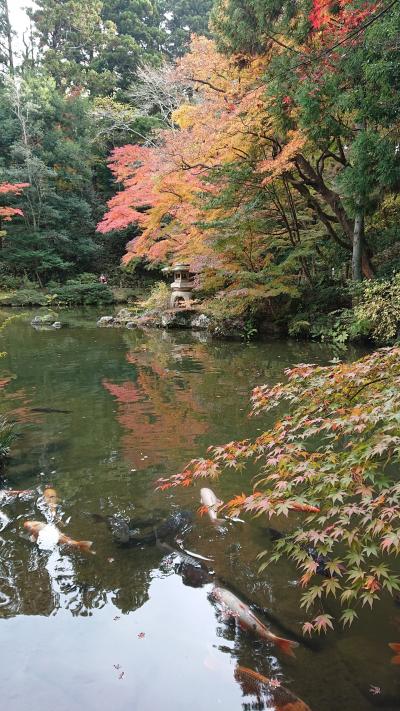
<point x="126" y="628"/>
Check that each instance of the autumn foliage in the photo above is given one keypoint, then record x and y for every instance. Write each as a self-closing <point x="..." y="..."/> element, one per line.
<point x="250" y="170"/>
<point x="7" y="213"/>
<point x="333" y="458"/>
<point x="166" y="184"/>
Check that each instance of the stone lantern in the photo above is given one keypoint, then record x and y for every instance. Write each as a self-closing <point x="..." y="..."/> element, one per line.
<point x="182" y="286"/>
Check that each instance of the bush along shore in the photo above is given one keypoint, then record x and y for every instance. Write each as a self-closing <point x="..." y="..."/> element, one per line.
<point x="368" y="313"/>
<point x="82" y="290"/>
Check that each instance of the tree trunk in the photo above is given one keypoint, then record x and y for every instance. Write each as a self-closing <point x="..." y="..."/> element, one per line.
<point x="358" y="239"/>
<point x="311" y="177"/>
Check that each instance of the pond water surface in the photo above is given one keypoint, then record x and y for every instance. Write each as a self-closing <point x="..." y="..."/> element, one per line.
<point x="124" y="629"/>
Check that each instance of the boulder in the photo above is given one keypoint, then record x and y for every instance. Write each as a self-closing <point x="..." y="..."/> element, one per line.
<point x="179" y="318"/>
<point x="147" y="321"/>
<point x="227" y="327"/>
<point x="43" y="320"/>
<point x="106" y="321"/>
<point x="124" y="315"/>
<point x="200" y="322"/>
<point x="190" y="319"/>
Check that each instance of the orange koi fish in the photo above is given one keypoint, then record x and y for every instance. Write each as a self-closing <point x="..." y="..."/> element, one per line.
<point x="281" y="698"/>
<point x="248" y="621"/>
<point x="396" y="648"/>
<point x="51" y="498"/>
<point x="35" y="527"/>
<point x="296" y="506"/>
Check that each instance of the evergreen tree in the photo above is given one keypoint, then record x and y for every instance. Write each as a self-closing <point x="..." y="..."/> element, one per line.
<point x="183" y="18"/>
<point x="6" y="35"/>
<point x="78" y="48"/>
<point x="46" y="142"/>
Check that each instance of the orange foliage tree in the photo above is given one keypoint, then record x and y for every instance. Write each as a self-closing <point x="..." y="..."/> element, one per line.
<point x="171" y="187"/>
<point x="167" y="183"/>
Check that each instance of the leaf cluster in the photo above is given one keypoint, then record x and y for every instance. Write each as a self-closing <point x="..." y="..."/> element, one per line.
<point x="330" y="464"/>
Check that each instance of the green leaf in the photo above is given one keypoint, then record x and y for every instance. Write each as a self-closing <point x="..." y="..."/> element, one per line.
<point x="348" y="616"/>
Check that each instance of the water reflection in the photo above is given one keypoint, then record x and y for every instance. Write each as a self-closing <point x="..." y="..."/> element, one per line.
<point x="140" y="405"/>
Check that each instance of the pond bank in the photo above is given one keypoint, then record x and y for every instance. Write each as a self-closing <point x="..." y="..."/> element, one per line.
<point x="192" y="319"/>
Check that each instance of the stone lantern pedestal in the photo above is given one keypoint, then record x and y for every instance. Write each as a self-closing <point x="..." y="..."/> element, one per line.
<point x="182" y="286"/>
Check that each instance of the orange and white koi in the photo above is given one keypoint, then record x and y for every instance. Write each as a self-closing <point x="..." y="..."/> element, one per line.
<point x="282" y="699"/>
<point x="36" y="527"/>
<point x="247" y="620"/>
<point x="211" y="504"/>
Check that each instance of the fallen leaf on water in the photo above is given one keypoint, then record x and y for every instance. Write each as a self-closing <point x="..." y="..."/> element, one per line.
<point x="117" y="666"/>
<point x="141" y="635"/>
<point x="375" y="689"/>
<point x="121" y="675"/>
<point x="116" y="618"/>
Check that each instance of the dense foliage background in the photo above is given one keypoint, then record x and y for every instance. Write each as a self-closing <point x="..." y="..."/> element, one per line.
<point x="258" y="140"/>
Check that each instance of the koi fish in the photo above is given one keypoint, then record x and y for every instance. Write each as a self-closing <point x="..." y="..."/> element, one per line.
<point x="297" y="506"/>
<point x="51" y="498"/>
<point x="396" y="648"/>
<point x="211" y="504"/>
<point x="193" y="572"/>
<point x="198" y="556"/>
<point x="247" y="620"/>
<point x="281" y="698"/>
<point x="50" y="410"/>
<point x="146" y="532"/>
<point x="35" y="528"/>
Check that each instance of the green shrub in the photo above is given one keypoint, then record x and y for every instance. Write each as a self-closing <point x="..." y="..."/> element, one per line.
<point x="85" y="290"/>
<point x="159" y="298"/>
<point x="300" y="328"/>
<point x="24" y="297"/>
<point x="339" y="327"/>
<point x="379" y="307"/>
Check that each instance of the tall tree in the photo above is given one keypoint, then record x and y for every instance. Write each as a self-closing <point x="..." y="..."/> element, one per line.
<point x="100" y="44"/>
<point x="6" y="36"/>
<point x="72" y="38"/>
<point x="182" y="19"/>
<point x="335" y="76"/>
<point x="46" y="141"/>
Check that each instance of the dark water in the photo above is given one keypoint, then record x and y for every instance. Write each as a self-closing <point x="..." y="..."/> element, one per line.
<point x="71" y="624"/>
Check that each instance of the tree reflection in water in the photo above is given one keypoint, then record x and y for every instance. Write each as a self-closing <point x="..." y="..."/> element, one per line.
<point x="150" y="402"/>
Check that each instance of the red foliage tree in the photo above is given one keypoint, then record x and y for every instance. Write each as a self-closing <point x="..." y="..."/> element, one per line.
<point x="7" y="213"/>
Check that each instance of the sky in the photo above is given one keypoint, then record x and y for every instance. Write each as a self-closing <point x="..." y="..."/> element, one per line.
<point x="19" y="20"/>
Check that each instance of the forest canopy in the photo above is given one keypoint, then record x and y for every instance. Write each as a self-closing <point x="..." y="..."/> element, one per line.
<point x="256" y="140"/>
